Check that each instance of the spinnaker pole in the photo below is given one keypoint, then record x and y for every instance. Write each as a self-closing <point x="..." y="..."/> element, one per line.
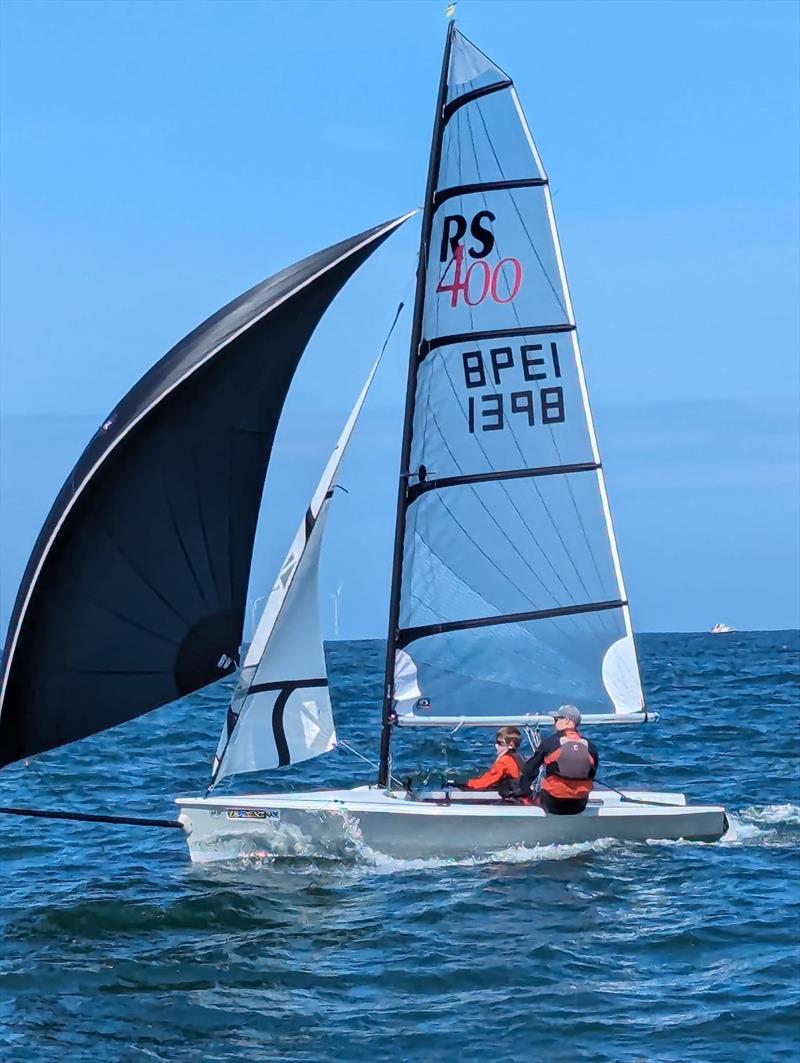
<point x="411" y="387"/>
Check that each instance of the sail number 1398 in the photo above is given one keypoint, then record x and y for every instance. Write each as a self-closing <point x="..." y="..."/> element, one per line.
<point x="495" y="410"/>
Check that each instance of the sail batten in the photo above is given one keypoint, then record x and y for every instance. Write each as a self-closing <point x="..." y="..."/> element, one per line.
<point x="474" y="94"/>
<point x="492" y="334"/>
<point x="407" y="635"/>
<point x="415" y="490"/>
<point x="444" y="194"/>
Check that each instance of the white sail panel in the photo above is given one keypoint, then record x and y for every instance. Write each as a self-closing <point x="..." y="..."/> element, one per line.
<point x="499" y="404"/>
<point x="280" y="712"/>
<point x="486" y="143"/>
<point x="511" y="592"/>
<point x="406" y="682"/>
<point x="470" y="69"/>
<point x="532" y="668"/>
<point x="621" y="676"/>
<point x="493" y="264"/>
<point x="503" y="547"/>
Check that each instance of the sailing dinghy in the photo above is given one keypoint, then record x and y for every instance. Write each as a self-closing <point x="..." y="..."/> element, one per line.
<point x="507" y="596"/>
<point x="507" y="591"/>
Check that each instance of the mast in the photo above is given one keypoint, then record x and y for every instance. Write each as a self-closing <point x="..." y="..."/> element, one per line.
<point x="411" y="386"/>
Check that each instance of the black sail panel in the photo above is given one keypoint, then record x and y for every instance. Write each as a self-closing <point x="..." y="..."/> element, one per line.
<point x="135" y="592"/>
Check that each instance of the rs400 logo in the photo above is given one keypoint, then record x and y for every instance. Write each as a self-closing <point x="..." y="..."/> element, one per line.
<point x="474" y="281"/>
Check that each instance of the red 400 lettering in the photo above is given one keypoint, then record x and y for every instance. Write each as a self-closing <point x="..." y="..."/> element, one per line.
<point x="480" y="280"/>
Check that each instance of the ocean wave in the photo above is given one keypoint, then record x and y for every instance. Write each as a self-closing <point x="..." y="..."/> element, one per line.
<point x="761" y="825"/>
<point x="512" y="854"/>
<point x="788" y="814"/>
<point x="299" y="851"/>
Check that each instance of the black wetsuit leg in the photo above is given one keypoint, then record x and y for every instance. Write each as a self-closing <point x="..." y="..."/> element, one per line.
<point x="562" y="806"/>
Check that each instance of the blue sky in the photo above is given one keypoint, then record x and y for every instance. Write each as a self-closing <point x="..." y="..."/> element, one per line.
<point x="160" y="158"/>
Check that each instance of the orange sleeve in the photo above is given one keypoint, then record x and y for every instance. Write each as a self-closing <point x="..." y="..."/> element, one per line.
<point x="489" y="778"/>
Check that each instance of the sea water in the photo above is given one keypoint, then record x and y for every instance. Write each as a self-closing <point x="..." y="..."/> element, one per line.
<point x="115" y="947"/>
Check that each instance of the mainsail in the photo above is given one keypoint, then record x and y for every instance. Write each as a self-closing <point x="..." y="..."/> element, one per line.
<point x="280" y="712"/>
<point x="135" y="592"/>
<point x="508" y="596"/>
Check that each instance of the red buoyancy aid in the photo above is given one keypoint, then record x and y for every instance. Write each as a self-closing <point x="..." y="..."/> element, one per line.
<point x="569" y="769"/>
<point x="506" y="767"/>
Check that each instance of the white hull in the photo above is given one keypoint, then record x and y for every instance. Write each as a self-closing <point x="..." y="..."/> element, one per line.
<point x="343" y="823"/>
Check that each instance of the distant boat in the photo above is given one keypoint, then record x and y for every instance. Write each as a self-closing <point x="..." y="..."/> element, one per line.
<point x="721" y="629"/>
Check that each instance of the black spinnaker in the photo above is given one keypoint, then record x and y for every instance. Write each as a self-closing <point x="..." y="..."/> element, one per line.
<point x="135" y="592"/>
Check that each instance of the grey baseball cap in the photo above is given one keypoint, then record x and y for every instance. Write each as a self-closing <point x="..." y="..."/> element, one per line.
<point x="568" y="712"/>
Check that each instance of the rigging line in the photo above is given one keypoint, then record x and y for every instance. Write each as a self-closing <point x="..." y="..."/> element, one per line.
<point x="637" y="800"/>
<point x="350" y="749"/>
<point x="552" y="437"/>
<point x="86" y="817"/>
<point x="525" y="229"/>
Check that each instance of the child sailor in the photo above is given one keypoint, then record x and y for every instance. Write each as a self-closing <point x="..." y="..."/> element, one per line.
<point x="507" y="766"/>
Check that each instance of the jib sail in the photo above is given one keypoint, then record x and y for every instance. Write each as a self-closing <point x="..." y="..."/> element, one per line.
<point x="135" y="592"/>
<point x="508" y="595"/>
<point x="280" y="712"/>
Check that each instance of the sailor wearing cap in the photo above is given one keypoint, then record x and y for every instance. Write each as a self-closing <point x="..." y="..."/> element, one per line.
<point x="570" y="762"/>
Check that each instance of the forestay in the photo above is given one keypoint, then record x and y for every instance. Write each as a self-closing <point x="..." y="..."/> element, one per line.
<point x="511" y="599"/>
<point x="280" y="712"/>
